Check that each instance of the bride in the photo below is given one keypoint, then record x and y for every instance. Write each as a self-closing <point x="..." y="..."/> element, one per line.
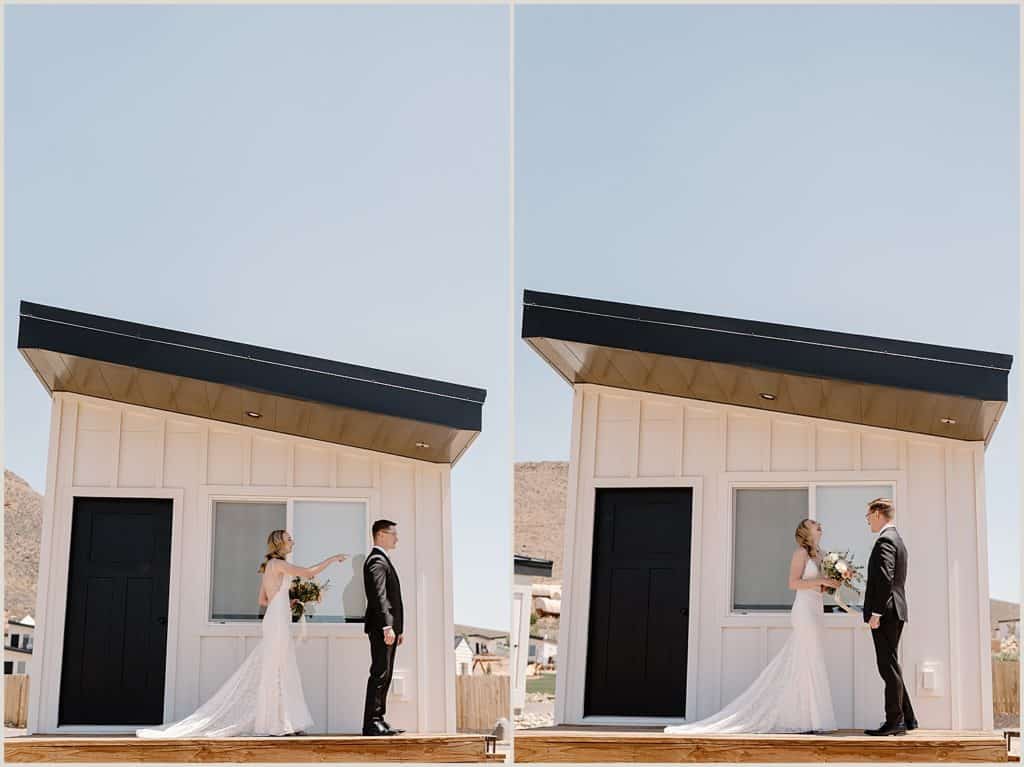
<point x="264" y="696"/>
<point x="792" y="693"/>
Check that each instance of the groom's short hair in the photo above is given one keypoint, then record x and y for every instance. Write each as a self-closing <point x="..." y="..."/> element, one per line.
<point x="883" y="506"/>
<point x="381" y="524"/>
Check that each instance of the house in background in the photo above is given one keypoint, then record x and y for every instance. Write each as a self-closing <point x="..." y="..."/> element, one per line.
<point x="525" y="570"/>
<point x="171" y="457"/>
<point x="698" y="444"/>
<point x="484" y="641"/>
<point x="19" y="638"/>
<point x="543" y="651"/>
<point x="1005" y="621"/>
<point x="463" y="657"/>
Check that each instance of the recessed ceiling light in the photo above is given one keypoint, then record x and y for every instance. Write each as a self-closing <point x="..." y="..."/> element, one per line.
<point x="423" y="445"/>
<point x="766" y="395"/>
<point x="948" y="420"/>
<point x="253" y="414"/>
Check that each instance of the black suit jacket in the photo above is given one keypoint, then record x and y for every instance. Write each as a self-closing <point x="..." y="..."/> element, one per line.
<point x="887" y="576"/>
<point x="383" y="594"/>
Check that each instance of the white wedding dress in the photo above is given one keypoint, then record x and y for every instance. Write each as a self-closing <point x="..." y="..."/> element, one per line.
<point x="792" y="694"/>
<point x="263" y="697"/>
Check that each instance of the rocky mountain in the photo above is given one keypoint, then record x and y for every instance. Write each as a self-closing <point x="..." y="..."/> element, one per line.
<point x="23" y="513"/>
<point x="540" y="492"/>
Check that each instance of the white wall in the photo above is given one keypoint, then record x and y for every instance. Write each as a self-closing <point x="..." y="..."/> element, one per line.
<point x="630" y="439"/>
<point x="520" y="637"/>
<point x="110" y="449"/>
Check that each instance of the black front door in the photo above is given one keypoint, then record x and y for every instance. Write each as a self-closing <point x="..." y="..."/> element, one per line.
<point x="639" y="603"/>
<point x="115" y="630"/>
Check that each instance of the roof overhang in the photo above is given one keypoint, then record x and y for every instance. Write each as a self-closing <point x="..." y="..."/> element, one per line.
<point x="532" y="566"/>
<point x="781" y="368"/>
<point x="229" y="382"/>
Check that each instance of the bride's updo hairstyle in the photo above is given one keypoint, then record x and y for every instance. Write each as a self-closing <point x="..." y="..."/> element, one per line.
<point x="275" y="548"/>
<point x="804" y="538"/>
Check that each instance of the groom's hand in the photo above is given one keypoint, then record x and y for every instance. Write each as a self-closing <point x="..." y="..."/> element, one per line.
<point x="389" y="635"/>
<point x="400" y="638"/>
<point x="876" y="621"/>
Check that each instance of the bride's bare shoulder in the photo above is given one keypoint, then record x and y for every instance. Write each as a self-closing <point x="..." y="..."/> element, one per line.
<point x="800" y="553"/>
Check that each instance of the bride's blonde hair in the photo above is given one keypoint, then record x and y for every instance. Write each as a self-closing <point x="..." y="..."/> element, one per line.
<point x="275" y="545"/>
<point x="804" y="539"/>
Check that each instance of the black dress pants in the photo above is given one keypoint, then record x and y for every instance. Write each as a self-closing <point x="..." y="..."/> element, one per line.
<point x="887" y="642"/>
<point x="382" y="664"/>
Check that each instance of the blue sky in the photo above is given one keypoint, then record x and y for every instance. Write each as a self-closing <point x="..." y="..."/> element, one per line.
<point x="326" y="180"/>
<point x="846" y="168"/>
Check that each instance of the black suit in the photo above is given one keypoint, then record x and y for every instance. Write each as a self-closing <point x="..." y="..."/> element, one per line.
<point x="383" y="608"/>
<point x="885" y="595"/>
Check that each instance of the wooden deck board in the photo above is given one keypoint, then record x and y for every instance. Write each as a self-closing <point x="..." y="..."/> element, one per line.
<point x="620" y="744"/>
<point x="291" y="749"/>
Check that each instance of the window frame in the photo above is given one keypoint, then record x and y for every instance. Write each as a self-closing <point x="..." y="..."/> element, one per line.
<point x="892" y="479"/>
<point x="369" y="507"/>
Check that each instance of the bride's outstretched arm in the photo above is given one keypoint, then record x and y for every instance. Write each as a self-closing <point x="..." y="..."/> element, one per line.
<point x="309" y="572"/>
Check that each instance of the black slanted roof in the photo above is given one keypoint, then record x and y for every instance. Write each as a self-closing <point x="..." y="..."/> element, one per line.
<point x="524" y="565"/>
<point x="224" y="380"/>
<point x="820" y="373"/>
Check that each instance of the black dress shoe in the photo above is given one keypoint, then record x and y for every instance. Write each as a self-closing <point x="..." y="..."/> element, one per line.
<point x="394" y="730"/>
<point x="377" y="729"/>
<point x="912" y="725"/>
<point x="897" y="728"/>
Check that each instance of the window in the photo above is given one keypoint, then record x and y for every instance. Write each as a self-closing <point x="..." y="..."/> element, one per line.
<point x="8" y="667"/>
<point x="841" y="510"/>
<point x="21" y="667"/>
<point x="240" y="531"/>
<point x="28" y="642"/>
<point x="765" y="522"/>
<point x="320" y="528"/>
<point x="15" y="639"/>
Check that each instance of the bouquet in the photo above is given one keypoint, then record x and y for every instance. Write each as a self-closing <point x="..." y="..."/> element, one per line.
<point x="839" y="566"/>
<point x="304" y="595"/>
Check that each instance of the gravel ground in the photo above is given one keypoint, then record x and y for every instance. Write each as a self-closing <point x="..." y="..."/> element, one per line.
<point x="538" y="712"/>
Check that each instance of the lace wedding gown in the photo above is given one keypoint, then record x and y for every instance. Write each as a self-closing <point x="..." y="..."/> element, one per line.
<point x="263" y="697"/>
<point x="792" y="694"/>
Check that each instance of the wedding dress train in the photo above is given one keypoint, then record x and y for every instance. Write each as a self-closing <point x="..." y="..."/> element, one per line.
<point x="792" y="694"/>
<point x="263" y="697"/>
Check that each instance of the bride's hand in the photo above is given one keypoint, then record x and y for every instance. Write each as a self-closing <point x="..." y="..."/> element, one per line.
<point x="829" y="583"/>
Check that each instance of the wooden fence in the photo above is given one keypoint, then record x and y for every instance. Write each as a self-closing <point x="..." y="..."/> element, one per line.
<point x="480" y="701"/>
<point x="1005" y="686"/>
<point x="16" y="700"/>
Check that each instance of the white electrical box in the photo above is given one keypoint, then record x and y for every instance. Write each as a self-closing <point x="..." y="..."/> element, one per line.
<point x="930" y="679"/>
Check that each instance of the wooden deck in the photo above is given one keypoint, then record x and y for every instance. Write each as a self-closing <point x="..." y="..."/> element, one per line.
<point x="643" y="744"/>
<point x="292" y="749"/>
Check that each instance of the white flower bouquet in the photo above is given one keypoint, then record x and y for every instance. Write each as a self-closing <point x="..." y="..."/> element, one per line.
<point x="839" y="566"/>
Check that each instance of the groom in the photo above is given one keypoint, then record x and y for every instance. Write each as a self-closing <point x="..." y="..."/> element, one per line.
<point x="383" y="625"/>
<point x="885" y="611"/>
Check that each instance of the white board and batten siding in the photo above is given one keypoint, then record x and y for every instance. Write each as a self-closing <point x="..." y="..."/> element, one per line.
<point x="631" y="439"/>
<point x="109" y="449"/>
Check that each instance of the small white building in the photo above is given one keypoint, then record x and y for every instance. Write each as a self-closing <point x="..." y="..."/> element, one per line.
<point x="698" y="444"/>
<point x="171" y="458"/>
<point x="19" y="638"/>
<point x="463" y="657"/>
<point x="543" y="651"/>
<point x="525" y="569"/>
